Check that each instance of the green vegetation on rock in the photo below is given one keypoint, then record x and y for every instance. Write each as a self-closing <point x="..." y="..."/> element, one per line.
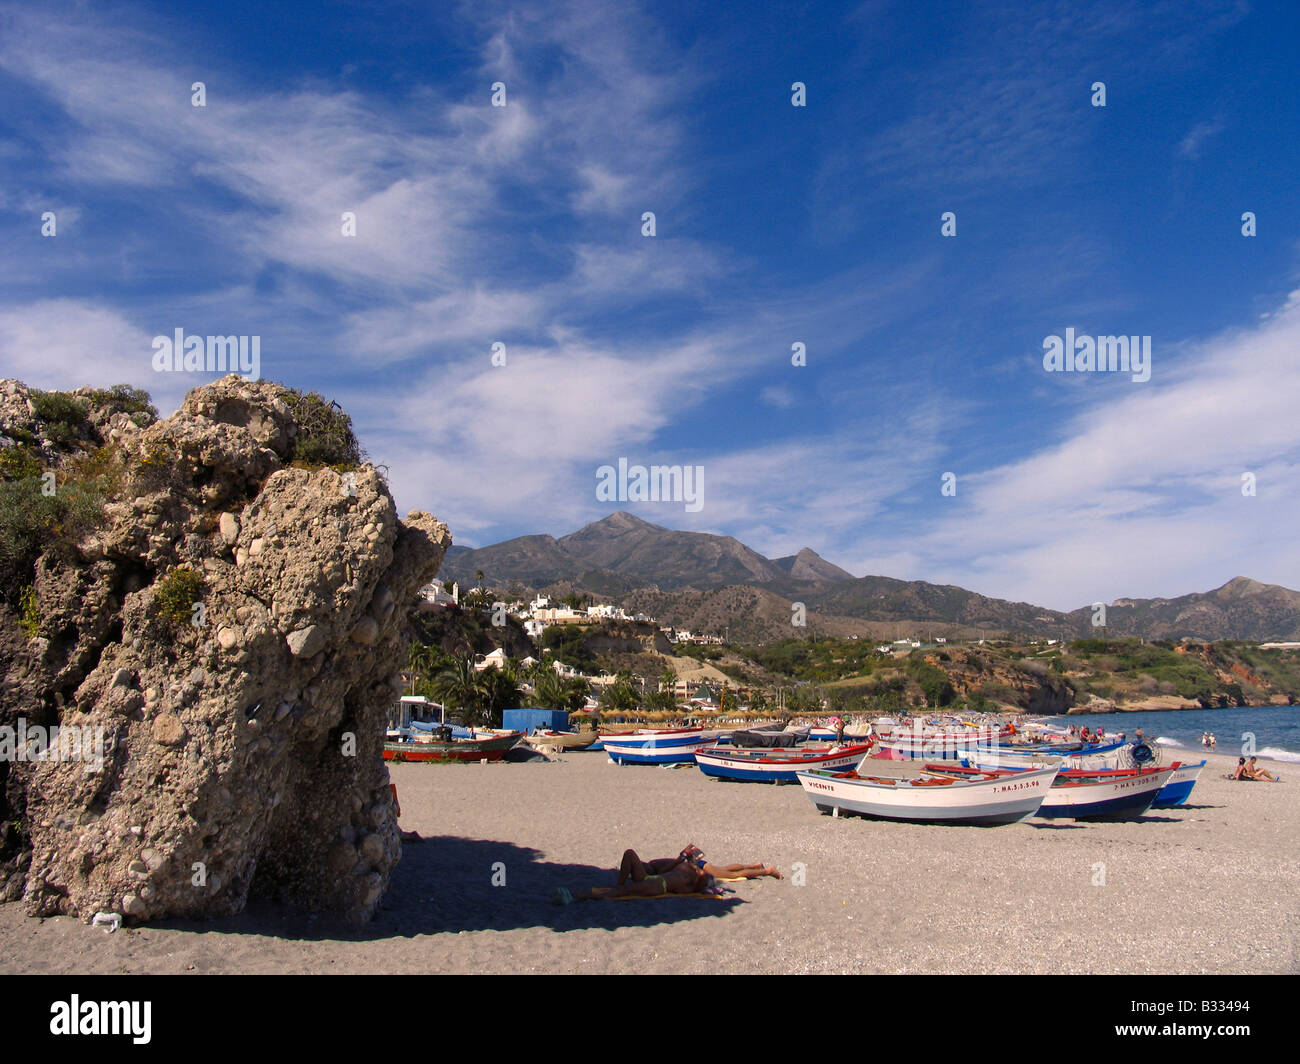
<point x="62" y="415"/>
<point x="325" y="436"/>
<point x="29" y="611"/>
<point x="177" y="593"/>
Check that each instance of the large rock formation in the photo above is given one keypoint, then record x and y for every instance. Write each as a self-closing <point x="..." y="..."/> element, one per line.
<point x="234" y="626"/>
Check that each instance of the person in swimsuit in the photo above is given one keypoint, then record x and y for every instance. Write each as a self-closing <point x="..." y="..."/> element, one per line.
<point x="654" y="879"/>
<point x="1240" y="773"/>
<point x="1257" y="773"/>
<point x="730" y="871"/>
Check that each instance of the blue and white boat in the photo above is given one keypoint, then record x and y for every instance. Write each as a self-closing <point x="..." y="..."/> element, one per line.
<point x="1179" y="787"/>
<point x="657" y="747"/>
<point x="776" y="766"/>
<point x="1110" y="795"/>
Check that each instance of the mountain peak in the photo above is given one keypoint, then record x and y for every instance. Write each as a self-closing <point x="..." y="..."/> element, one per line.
<point x="809" y="565"/>
<point x="619" y="521"/>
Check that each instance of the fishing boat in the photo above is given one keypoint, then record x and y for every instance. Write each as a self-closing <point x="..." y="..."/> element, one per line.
<point x="775" y="765"/>
<point x="488" y="745"/>
<point x="944" y="741"/>
<point x="765" y="738"/>
<point x="1079" y="794"/>
<point x="650" y="746"/>
<point x="889" y="730"/>
<point x="1118" y="794"/>
<point x="410" y="738"/>
<point x="1074" y="756"/>
<point x="561" y="740"/>
<point x="1179" y="787"/>
<point x="981" y="799"/>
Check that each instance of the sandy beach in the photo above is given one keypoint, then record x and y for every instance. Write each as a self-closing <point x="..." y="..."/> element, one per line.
<point x="1210" y="887"/>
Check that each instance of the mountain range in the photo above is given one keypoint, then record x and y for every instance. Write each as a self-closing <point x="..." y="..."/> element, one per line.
<point x="707" y="582"/>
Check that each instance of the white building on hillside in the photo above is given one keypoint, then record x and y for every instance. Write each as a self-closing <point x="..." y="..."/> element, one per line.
<point x="497" y="658"/>
<point x="434" y="594"/>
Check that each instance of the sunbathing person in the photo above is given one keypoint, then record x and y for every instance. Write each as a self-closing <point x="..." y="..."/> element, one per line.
<point x="1240" y="773"/>
<point x="654" y="879"/>
<point x="1257" y="773"/>
<point x="730" y="871"/>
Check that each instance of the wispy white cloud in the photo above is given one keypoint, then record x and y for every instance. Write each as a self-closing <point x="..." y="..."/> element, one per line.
<point x="64" y="343"/>
<point x="1142" y="491"/>
<point x="1190" y="146"/>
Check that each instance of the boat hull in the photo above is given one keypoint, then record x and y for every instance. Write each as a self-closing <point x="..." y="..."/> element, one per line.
<point x="977" y="802"/>
<point x="563" y="740"/>
<point x="493" y="749"/>
<point x="1179" y="787"/>
<point x="657" y="747"/>
<point x="1122" y="798"/>
<point x="772" y="767"/>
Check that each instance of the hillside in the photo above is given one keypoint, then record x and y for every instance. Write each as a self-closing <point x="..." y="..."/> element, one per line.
<point x="716" y="584"/>
<point x="1088" y="674"/>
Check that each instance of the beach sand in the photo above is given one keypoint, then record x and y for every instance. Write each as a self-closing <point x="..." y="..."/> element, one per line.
<point x="1212" y="887"/>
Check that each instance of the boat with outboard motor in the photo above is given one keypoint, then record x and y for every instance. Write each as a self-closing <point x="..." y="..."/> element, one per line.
<point x="411" y="738"/>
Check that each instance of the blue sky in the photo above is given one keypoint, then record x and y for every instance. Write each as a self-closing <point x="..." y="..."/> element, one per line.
<point x="775" y="224"/>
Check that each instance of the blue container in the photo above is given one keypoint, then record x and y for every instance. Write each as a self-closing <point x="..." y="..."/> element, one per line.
<point x="525" y="720"/>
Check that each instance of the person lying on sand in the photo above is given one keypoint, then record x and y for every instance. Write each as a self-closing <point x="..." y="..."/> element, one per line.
<point x="654" y="879"/>
<point x="1257" y="773"/>
<point x="730" y="871"/>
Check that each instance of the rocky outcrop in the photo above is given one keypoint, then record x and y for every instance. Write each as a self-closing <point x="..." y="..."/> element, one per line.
<point x="233" y="631"/>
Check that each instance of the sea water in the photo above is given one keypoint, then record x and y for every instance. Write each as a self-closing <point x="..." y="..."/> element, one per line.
<point x="1276" y="728"/>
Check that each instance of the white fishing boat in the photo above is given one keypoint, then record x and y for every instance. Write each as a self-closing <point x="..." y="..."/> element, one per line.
<point x="1080" y="794"/>
<point x="776" y="765"/>
<point x="981" y="799"/>
<point x="1109" y="756"/>
<point x="1109" y="795"/>
<point x="650" y="746"/>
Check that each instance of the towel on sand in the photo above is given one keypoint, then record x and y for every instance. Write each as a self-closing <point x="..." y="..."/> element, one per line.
<point x="601" y="892"/>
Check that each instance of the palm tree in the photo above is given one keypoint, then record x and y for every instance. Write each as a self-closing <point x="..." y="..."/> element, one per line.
<point x="499" y="690"/>
<point x="619" y="696"/>
<point x="457" y="685"/>
<point x="425" y="662"/>
<point x="550" y="692"/>
<point x="578" y="689"/>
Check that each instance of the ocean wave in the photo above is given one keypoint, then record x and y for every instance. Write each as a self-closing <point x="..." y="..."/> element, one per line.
<point x="1164" y="740"/>
<point x="1276" y="753"/>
